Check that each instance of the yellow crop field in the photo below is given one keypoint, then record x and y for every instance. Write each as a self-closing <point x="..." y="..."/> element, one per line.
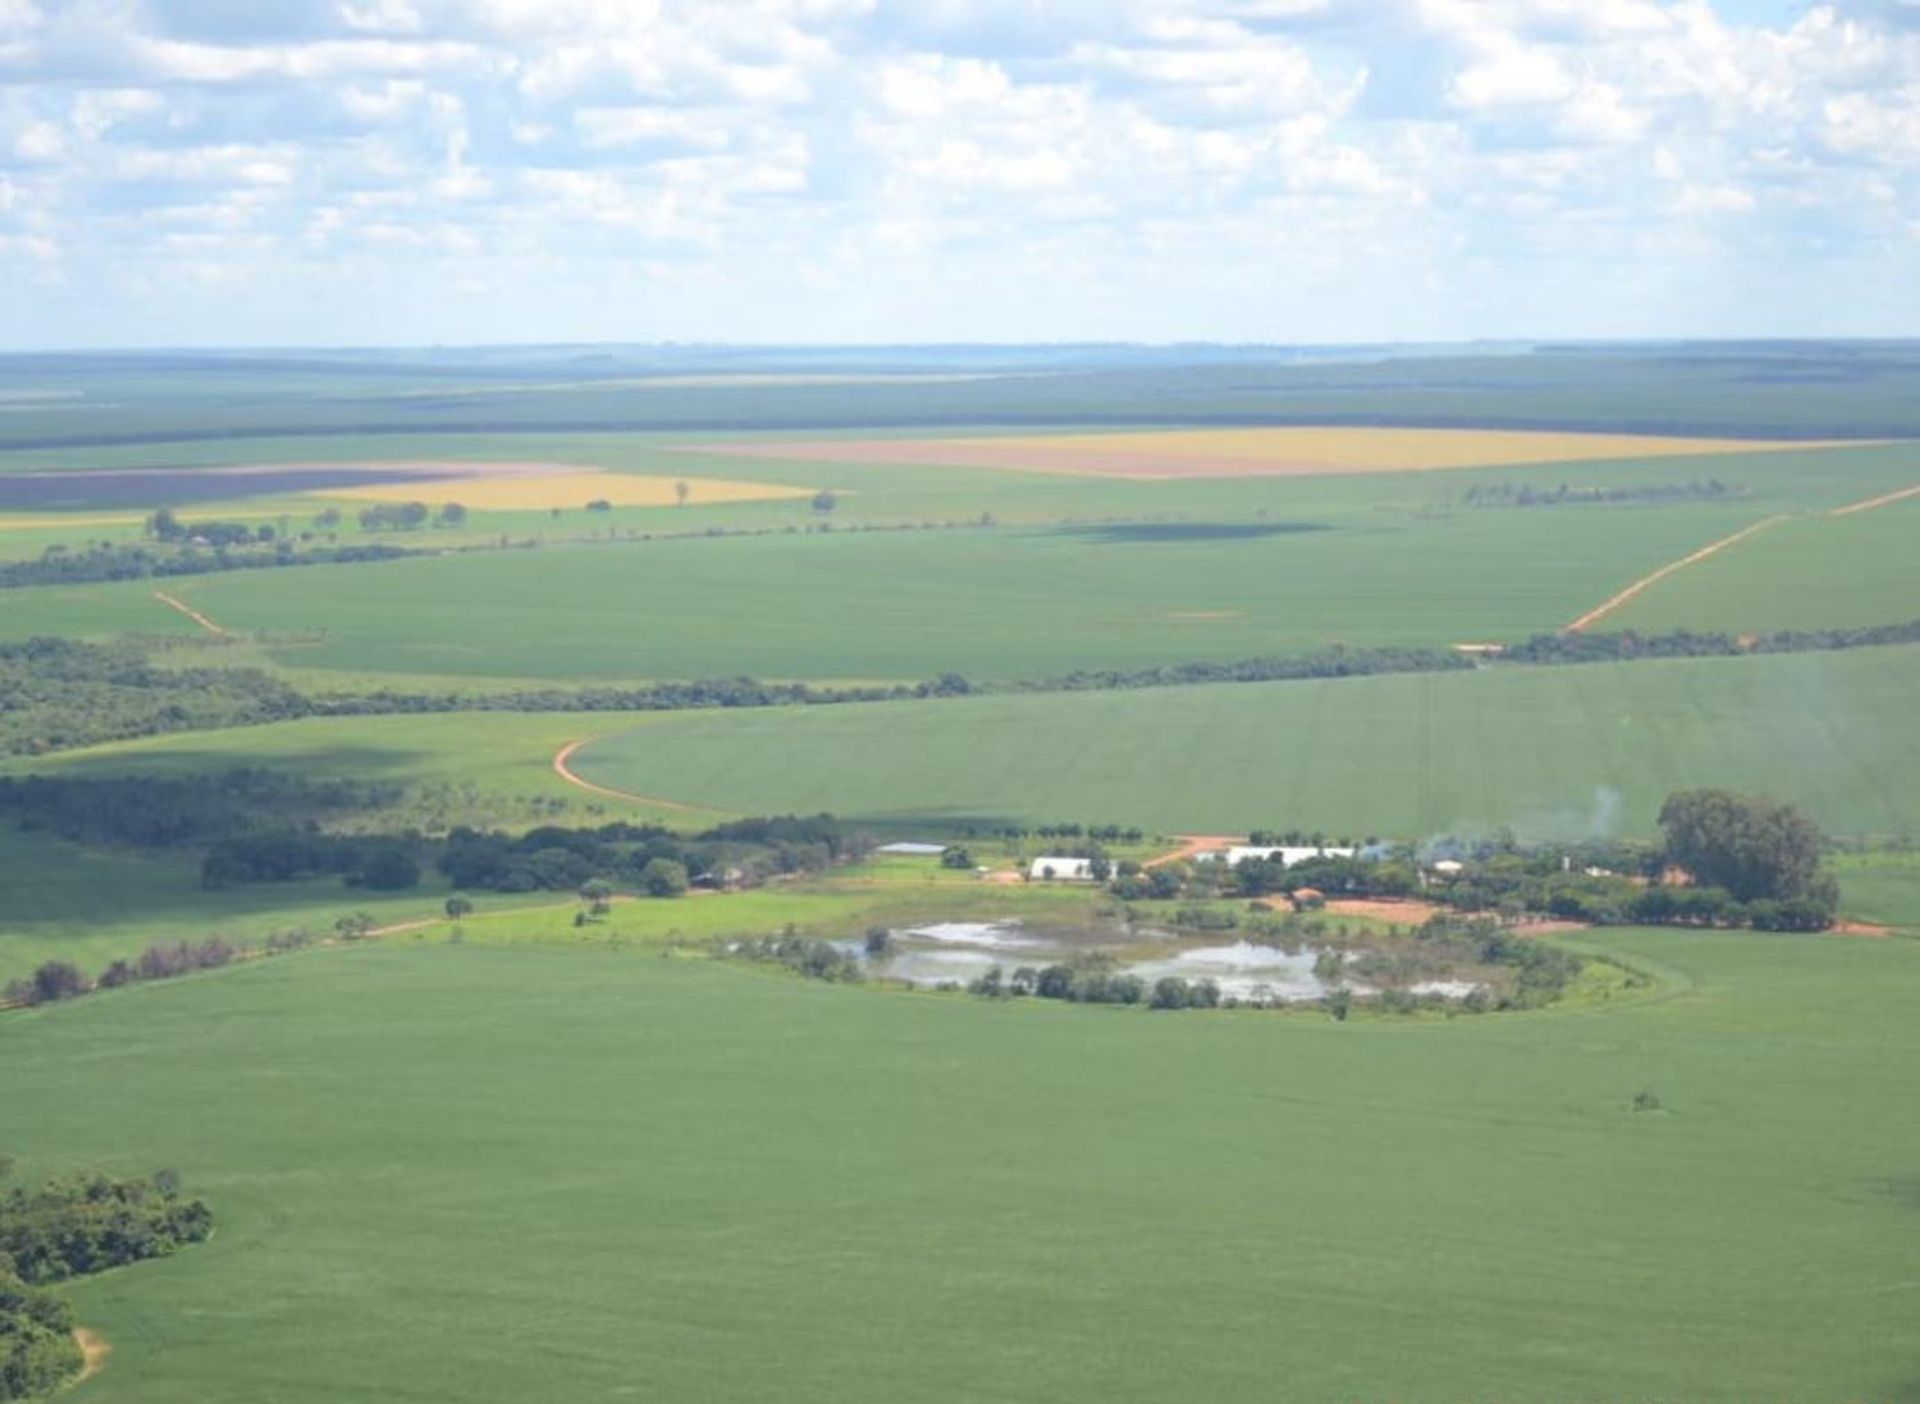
<point x="1302" y="451"/>
<point x="540" y="491"/>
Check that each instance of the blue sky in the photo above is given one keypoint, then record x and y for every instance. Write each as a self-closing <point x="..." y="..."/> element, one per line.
<point x="199" y="172"/>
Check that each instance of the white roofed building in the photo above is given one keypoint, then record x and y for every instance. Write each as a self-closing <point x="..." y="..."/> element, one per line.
<point x="1061" y="870"/>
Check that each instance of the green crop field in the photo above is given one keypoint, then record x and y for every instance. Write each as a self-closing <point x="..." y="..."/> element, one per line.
<point x="1808" y="572"/>
<point x="908" y="605"/>
<point x="500" y="1174"/>
<point x="1553" y="752"/>
<point x="1076" y="573"/>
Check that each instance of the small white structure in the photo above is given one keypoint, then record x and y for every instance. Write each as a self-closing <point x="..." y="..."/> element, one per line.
<point x="1061" y="870"/>
<point x="917" y="850"/>
<point x="1287" y="854"/>
<point x="1449" y="867"/>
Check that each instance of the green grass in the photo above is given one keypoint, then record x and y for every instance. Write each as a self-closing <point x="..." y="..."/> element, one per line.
<point x="1883" y="888"/>
<point x="1549" y="751"/>
<point x="510" y="1174"/>
<point x="69" y="902"/>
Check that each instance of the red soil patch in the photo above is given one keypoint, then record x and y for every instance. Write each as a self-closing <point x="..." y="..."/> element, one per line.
<point x="1858" y="928"/>
<point x="1192" y="846"/>
<point x="1403" y="912"/>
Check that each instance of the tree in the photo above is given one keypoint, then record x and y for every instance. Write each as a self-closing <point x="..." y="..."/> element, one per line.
<point x="597" y="893"/>
<point x="663" y="877"/>
<point x="680" y="491"/>
<point x="1754" y="847"/>
<point x="452" y="515"/>
<point x="458" y="906"/>
<point x="164" y="526"/>
<point x="824" y="501"/>
<point x="389" y="868"/>
<point x="57" y="979"/>
<point x="956" y="857"/>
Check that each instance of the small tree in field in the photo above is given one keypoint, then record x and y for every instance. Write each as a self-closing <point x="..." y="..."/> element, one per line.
<point x="680" y="491"/>
<point x="663" y="877"/>
<point x="824" y="501"/>
<point x="458" y="906"/>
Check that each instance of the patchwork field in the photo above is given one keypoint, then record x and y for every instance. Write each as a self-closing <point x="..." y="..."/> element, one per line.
<point x="1551" y="752"/>
<point x="511" y="1174"/>
<point x="529" y="1153"/>
<point x="1265" y="452"/>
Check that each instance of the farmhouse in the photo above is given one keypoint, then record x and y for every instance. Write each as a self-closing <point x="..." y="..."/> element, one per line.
<point x="1061" y="870"/>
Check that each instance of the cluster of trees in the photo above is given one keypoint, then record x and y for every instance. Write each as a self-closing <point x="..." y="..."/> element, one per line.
<point x="58" y="693"/>
<point x="1089" y="978"/>
<point x="155" y="811"/>
<point x="654" y="860"/>
<point x="407" y="516"/>
<point x="394" y="516"/>
<point x="1526" y="495"/>
<point x="68" y="1228"/>
<point x="804" y="955"/>
<point x="85" y="1223"/>
<point x="163" y="525"/>
<point x="37" y="1350"/>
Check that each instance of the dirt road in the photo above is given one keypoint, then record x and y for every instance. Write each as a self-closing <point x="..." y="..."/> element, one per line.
<point x="1594" y="616"/>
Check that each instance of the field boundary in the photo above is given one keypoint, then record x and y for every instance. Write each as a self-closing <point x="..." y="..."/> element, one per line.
<point x="1646" y="582"/>
<point x="180" y="605"/>
<point x="1886" y="499"/>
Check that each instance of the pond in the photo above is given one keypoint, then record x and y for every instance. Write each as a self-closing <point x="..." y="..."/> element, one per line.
<point x="959" y="952"/>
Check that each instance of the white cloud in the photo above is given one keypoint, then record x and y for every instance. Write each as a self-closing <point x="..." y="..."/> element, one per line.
<point x="1043" y="162"/>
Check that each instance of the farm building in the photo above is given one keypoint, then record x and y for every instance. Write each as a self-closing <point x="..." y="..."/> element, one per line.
<point x="917" y="850"/>
<point x="1287" y="854"/>
<point x="1061" y="870"/>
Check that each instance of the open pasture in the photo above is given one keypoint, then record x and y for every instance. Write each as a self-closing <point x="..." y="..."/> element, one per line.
<point x="506" y="1174"/>
<point x="1552" y="752"/>
<point x="1293" y="451"/>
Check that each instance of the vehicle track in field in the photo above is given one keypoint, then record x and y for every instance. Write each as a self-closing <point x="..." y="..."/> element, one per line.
<point x="174" y="603"/>
<point x="1645" y="582"/>
<point x="566" y="772"/>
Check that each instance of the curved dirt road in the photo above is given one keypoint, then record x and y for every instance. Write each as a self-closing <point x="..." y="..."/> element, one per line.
<point x="566" y="773"/>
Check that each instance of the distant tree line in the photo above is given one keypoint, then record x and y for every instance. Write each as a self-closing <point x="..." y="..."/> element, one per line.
<point x="58" y="693"/>
<point x="103" y="561"/>
<point x="1506" y="494"/>
<point x="71" y="1227"/>
<point x="639" y="857"/>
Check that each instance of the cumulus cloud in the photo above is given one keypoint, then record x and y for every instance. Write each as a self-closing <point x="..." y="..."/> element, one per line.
<point x="893" y="169"/>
